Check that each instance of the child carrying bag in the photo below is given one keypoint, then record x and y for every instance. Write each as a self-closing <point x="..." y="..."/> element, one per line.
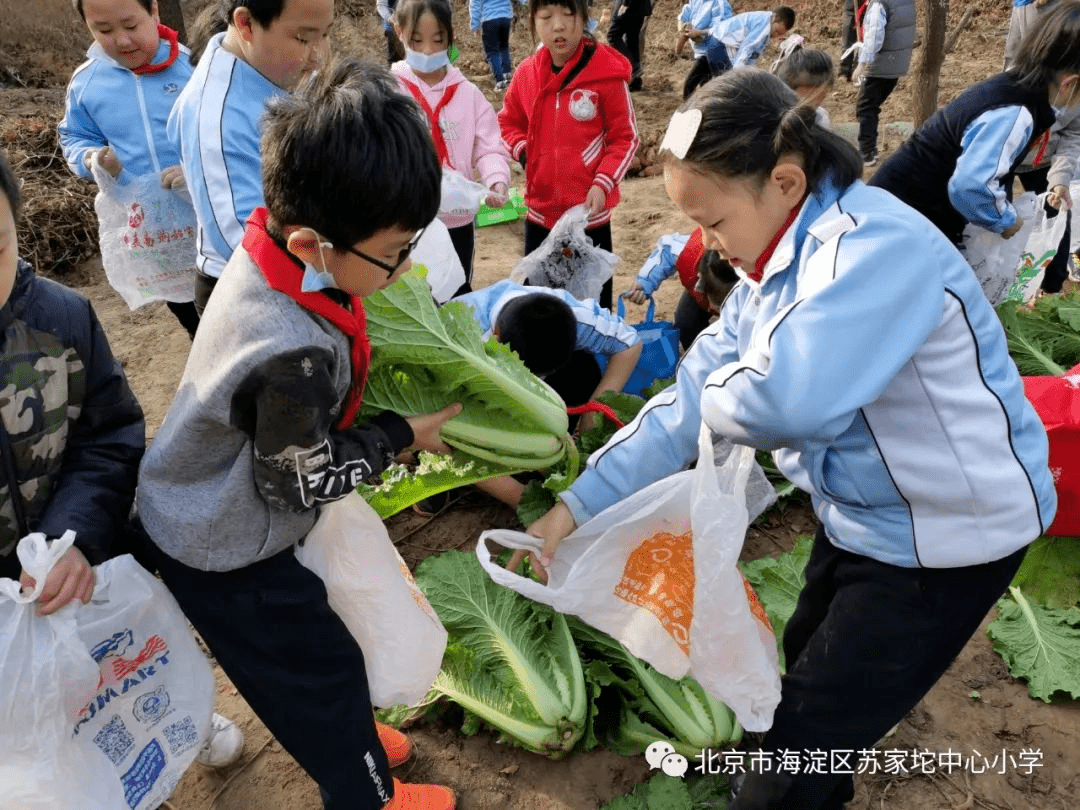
<point x="369" y="586"/>
<point x="111" y="699"/>
<point x="657" y="572"/>
<point x="147" y="238"/>
<point x="659" y="350"/>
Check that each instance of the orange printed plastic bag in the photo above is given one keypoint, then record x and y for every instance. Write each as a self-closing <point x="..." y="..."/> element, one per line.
<point x="657" y="571"/>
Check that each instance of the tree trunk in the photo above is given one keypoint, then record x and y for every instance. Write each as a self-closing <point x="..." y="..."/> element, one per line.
<point x="924" y="95"/>
<point x="172" y="15"/>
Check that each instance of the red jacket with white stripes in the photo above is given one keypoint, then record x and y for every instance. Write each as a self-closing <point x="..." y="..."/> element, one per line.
<point x="576" y="128"/>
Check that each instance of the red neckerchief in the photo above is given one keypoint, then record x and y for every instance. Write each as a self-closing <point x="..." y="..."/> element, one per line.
<point x="433" y="118"/>
<point x="174" y="50"/>
<point x="283" y="274"/>
<point x="763" y="259"/>
<point x="1042" y="142"/>
<point x="860" y="13"/>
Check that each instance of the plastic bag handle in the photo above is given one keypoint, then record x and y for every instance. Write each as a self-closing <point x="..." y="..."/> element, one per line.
<point x="38" y="557"/>
<point x="650" y="313"/>
<point x="516" y="582"/>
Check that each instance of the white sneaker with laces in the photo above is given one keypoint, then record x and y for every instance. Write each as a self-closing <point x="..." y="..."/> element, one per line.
<point x="225" y="744"/>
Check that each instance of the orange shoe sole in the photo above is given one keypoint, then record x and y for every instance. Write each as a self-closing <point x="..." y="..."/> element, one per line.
<point x="421" y="797"/>
<point x="397" y="746"/>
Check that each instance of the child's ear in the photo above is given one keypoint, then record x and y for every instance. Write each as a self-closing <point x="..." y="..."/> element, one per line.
<point x="242" y="21"/>
<point x="154" y="12"/>
<point x="791" y="179"/>
<point x="303" y="243"/>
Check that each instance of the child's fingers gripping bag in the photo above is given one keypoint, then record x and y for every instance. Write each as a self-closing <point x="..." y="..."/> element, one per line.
<point x="659" y="350"/>
<point x="657" y="571"/>
<point x="1040" y="248"/>
<point x="47" y="676"/>
<point x="568" y="260"/>
<point x="369" y="586"/>
<point x="147" y="238"/>
<point x="133" y="693"/>
<point x="995" y="259"/>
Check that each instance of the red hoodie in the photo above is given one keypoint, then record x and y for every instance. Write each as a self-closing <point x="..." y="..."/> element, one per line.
<point x="576" y="128"/>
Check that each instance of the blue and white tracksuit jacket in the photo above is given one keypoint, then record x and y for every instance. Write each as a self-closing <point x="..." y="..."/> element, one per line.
<point x="660" y="265"/>
<point x="870" y="362"/>
<point x="598" y="330"/>
<point x="702" y="14"/>
<point x="744" y="36"/>
<point x="216" y="128"/>
<point x="108" y="104"/>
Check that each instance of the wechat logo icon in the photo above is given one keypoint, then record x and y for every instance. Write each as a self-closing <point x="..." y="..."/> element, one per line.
<point x="662" y="755"/>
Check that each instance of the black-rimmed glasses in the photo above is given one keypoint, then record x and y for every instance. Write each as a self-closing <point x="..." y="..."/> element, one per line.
<point x="402" y="255"/>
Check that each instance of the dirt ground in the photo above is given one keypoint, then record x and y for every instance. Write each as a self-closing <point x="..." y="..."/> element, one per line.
<point x="977" y="710"/>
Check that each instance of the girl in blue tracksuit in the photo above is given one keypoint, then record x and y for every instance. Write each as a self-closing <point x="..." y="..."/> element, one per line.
<point x="858" y="348"/>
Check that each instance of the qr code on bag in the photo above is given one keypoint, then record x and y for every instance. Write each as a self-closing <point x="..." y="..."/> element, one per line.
<point x="114" y="740"/>
<point x="181" y="735"/>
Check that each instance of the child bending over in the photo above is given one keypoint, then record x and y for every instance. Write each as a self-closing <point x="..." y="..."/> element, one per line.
<point x="261" y="431"/>
<point x="900" y="412"/>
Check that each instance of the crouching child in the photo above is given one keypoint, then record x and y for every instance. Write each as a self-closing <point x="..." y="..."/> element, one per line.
<point x="261" y="431"/>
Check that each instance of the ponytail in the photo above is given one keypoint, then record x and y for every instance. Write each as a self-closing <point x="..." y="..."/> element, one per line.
<point x="749" y="119"/>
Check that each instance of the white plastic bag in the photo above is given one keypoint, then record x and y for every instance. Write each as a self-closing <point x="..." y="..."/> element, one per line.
<point x="681" y="606"/>
<point x="369" y="586"/>
<point x="436" y="252"/>
<point x="1039" y="250"/>
<point x="47" y="675"/>
<point x="567" y="259"/>
<point x="111" y="700"/>
<point x="151" y="711"/>
<point x="995" y="259"/>
<point x="460" y="195"/>
<point x="147" y="238"/>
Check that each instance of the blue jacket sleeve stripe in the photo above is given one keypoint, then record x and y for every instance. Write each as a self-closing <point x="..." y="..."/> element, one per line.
<point x="991" y="145"/>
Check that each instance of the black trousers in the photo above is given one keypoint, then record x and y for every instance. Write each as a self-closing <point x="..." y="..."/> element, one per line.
<point x="464" y="240"/>
<point x="624" y="35"/>
<point x="187" y="313"/>
<point x="872" y="95"/>
<point x="865" y="644"/>
<point x="297" y="666"/>
<point x="689" y="319"/>
<point x="600" y="236"/>
<point x="495" y="36"/>
<point x="848" y="38"/>
<point x="204" y="285"/>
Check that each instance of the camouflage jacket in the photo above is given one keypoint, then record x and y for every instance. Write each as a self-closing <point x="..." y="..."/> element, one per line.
<point x="71" y="430"/>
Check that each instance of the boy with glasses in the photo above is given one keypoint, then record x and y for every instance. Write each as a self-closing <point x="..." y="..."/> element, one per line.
<point x="262" y="428"/>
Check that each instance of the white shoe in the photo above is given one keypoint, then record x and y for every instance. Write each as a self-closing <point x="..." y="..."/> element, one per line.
<point x="224" y="746"/>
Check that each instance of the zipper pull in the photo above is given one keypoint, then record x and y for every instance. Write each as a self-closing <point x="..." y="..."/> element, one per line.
<point x="557" y="97"/>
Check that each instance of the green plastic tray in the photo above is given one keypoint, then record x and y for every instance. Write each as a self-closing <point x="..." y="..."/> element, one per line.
<point x="513" y="209"/>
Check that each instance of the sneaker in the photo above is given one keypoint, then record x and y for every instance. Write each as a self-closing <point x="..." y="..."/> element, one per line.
<point x="397" y="746"/>
<point x="871" y="159"/>
<point x="421" y="797"/>
<point x="225" y="745"/>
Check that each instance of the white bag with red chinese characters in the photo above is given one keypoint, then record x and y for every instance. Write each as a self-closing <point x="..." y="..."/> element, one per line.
<point x="657" y="571"/>
<point x="104" y="705"/>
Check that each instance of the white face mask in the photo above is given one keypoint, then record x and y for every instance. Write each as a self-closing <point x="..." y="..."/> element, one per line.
<point x="1059" y="111"/>
<point x="314" y="278"/>
<point x="426" y="62"/>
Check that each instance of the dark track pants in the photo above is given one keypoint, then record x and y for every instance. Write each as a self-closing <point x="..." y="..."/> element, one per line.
<point x="295" y="663"/>
<point x="866" y="643"/>
<point x="600" y="236"/>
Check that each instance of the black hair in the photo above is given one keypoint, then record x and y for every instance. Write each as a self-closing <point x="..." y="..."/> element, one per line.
<point x="785" y="15"/>
<point x="147" y="4"/>
<point x="216" y="16"/>
<point x="749" y="118"/>
<point x="9" y="186"/>
<point x="408" y="13"/>
<point x="806" y="67"/>
<point x="716" y="277"/>
<point x="1050" y="47"/>
<point x="541" y="328"/>
<point x="579" y="8"/>
<point x="348" y="155"/>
